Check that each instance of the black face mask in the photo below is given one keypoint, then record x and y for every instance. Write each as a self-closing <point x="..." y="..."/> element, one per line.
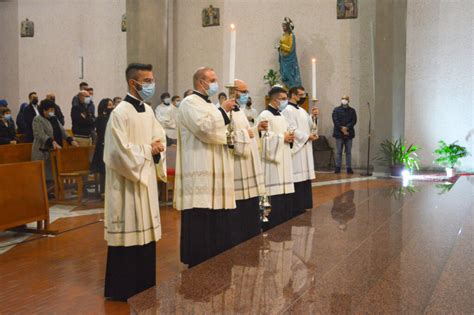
<point x="301" y="101"/>
<point x="34" y="101"/>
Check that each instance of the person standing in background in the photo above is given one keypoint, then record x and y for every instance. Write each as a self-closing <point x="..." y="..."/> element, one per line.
<point x="344" y="118"/>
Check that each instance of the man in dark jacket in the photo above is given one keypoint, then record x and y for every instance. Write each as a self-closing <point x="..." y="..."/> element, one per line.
<point x="344" y="118"/>
<point x="83" y="123"/>
<point x="29" y="113"/>
<point x="57" y="110"/>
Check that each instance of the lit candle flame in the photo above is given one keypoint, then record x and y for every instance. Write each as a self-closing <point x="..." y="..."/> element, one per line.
<point x="313" y="60"/>
<point x="232" y="26"/>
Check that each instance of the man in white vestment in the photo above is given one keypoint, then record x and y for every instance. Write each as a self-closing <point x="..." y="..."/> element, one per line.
<point x="166" y="115"/>
<point x="204" y="180"/>
<point x="302" y="151"/>
<point x="248" y="175"/>
<point x="134" y="142"/>
<point x="276" y="157"/>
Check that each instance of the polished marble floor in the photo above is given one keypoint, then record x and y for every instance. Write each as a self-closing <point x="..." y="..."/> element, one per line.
<point x="381" y="250"/>
<point x="366" y="246"/>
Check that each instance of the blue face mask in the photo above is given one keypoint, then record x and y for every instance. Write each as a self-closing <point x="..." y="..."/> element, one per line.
<point x="283" y="105"/>
<point x="8" y="116"/>
<point x="243" y="99"/>
<point x="213" y="88"/>
<point x="147" y="91"/>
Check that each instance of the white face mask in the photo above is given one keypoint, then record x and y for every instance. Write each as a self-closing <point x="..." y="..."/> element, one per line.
<point x="51" y="114"/>
<point x="344" y="102"/>
<point x="167" y="101"/>
<point x="177" y="103"/>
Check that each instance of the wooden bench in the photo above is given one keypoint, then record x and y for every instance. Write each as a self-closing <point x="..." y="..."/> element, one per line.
<point x="23" y="195"/>
<point x="15" y="153"/>
<point x="72" y="165"/>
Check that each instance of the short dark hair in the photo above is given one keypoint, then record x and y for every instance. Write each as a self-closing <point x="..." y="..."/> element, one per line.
<point x="222" y="94"/>
<point x="46" y="105"/>
<point x="175" y="97"/>
<point x="82" y="85"/>
<point x="90" y="89"/>
<point x="275" y="91"/>
<point x="133" y="68"/>
<point x="294" y="90"/>
<point x="31" y="93"/>
<point x="165" y="95"/>
<point x="4" y="110"/>
<point x="187" y="93"/>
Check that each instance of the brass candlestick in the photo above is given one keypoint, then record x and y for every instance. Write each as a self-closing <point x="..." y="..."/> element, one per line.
<point x="314" y="125"/>
<point x="230" y="134"/>
<point x="264" y="202"/>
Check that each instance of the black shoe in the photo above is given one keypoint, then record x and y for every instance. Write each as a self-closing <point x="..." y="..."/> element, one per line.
<point x="338" y="170"/>
<point x="350" y="171"/>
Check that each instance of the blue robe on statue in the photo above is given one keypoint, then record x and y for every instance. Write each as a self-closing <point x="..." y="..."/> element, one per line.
<point x="289" y="68"/>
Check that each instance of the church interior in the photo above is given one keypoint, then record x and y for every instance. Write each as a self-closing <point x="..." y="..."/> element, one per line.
<point x="390" y="225"/>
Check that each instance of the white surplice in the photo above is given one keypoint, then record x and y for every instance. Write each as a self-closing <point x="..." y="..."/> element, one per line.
<point x="166" y="115"/>
<point x="248" y="175"/>
<point x="303" y="163"/>
<point x="204" y="165"/>
<point x="131" y="210"/>
<point x="276" y="155"/>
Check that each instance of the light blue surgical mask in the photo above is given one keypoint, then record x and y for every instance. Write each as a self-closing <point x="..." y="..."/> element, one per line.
<point x="243" y="99"/>
<point x="8" y="116"/>
<point x="87" y="100"/>
<point x="283" y="105"/>
<point x="213" y="88"/>
<point x="147" y="91"/>
<point x="51" y="114"/>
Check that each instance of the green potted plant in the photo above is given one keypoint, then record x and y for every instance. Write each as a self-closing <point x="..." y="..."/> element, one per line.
<point x="272" y="77"/>
<point x="399" y="156"/>
<point x="449" y="156"/>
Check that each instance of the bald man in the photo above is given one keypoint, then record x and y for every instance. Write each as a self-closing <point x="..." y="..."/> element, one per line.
<point x="204" y="182"/>
<point x="83" y="122"/>
<point x="57" y="110"/>
<point x="248" y="176"/>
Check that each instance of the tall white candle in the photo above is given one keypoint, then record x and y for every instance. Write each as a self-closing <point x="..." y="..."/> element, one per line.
<point x="313" y="81"/>
<point x="233" y="34"/>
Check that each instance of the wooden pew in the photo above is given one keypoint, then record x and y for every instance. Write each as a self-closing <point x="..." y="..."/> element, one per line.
<point x="23" y="196"/>
<point x="14" y="153"/>
<point x="71" y="164"/>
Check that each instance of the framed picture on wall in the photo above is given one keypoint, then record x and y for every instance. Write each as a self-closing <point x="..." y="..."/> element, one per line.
<point x="347" y="9"/>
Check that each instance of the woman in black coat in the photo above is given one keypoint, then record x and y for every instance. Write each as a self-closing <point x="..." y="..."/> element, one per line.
<point x="7" y="127"/>
<point x="105" y="108"/>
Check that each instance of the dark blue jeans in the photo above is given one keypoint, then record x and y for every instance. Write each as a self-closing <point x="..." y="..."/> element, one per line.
<point x="340" y="143"/>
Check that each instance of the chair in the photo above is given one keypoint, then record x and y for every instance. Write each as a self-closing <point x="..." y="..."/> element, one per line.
<point x="71" y="165"/>
<point x="321" y="147"/>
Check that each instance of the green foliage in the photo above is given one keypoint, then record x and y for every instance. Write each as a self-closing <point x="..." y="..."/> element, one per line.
<point x="272" y="77"/>
<point x="450" y="154"/>
<point x="444" y="187"/>
<point x="399" y="153"/>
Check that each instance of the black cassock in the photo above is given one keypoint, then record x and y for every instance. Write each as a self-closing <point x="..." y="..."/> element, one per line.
<point x="282" y="209"/>
<point x="303" y="197"/>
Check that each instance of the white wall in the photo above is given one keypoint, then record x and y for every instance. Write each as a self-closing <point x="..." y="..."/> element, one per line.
<point x="9" y="51"/>
<point x="65" y="30"/>
<point x="342" y="47"/>
<point x="439" y="75"/>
